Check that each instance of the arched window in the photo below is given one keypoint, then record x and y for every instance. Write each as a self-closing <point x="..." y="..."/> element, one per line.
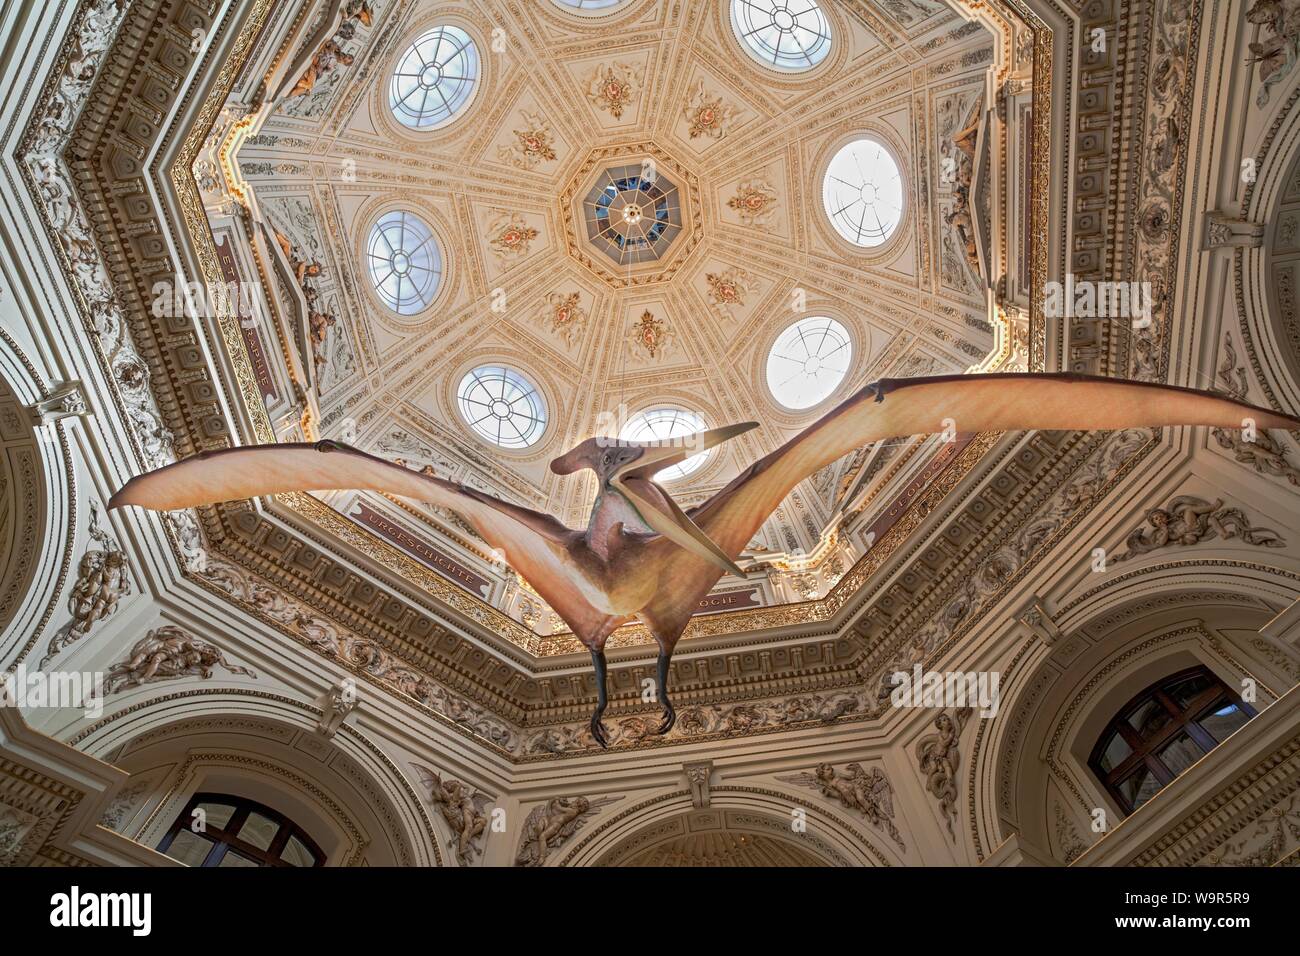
<point x="1163" y="731"/>
<point x="216" y="829"/>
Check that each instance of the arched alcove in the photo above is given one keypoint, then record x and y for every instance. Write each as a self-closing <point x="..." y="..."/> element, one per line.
<point x="1116" y="641"/>
<point x="669" y="830"/>
<point x="344" y="791"/>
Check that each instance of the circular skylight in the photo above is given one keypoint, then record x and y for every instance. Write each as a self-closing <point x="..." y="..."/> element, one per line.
<point x="405" y="262"/>
<point x="782" y="34"/>
<point x="863" y="192"/>
<point x="808" y="361"/>
<point x="661" y="425"/>
<point x="502" y="406"/>
<point x="585" y="5"/>
<point x="435" y="78"/>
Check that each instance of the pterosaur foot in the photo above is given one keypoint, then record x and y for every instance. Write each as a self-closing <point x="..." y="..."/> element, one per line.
<point x="598" y="731"/>
<point x="670" y="718"/>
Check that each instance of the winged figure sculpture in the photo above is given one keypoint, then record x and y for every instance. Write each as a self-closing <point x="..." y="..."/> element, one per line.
<point x="642" y="556"/>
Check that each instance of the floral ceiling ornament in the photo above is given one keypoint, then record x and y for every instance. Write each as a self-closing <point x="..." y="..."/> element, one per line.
<point x="729" y="287"/>
<point x="511" y="236"/>
<point x="707" y="114"/>
<point x="613" y="88"/>
<point x="1278" y="46"/>
<point x="533" y="145"/>
<point x="755" y="200"/>
<point x="564" y="316"/>
<point x="650" y="334"/>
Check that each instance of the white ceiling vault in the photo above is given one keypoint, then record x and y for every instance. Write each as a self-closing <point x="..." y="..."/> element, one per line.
<point x="562" y="102"/>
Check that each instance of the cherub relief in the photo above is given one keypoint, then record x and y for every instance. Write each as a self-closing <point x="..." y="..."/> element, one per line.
<point x="167" y="653"/>
<point x="549" y="825"/>
<point x="866" y="791"/>
<point x="938" y="756"/>
<point x="462" y="808"/>
<point x="1190" y="520"/>
<point x="103" y="579"/>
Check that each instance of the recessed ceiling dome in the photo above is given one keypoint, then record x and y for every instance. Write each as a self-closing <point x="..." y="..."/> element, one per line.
<point x="789" y="35"/>
<point x="502" y="406"/>
<point x="808" y="361"/>
<point x="633" y="214"/>
<point x="435" y="78"/>
<point x="405" y="262"/>
<point x="661" y="424"/>
<point x="863" y="192"/>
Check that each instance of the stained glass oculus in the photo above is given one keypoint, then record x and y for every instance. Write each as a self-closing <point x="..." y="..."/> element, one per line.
<point x="633" y="214"/>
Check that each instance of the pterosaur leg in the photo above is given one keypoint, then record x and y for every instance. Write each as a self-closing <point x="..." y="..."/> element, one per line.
<point x="670" y="715"/>
<point x="602" y="699"/>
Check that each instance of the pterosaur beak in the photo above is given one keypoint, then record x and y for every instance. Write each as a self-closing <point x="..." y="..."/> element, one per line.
<point x="656" y="458"/>
<point x="657" y="508"/>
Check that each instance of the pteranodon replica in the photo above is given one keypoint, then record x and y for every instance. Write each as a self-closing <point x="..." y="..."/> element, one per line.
<point x="642" y="556"/>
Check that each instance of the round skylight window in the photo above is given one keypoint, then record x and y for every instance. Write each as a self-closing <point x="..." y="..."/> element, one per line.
<point x="502" y="406"/>
<point x="863" y="192"/>
<point x="586" y="5"/>
<point x="662" y="425"/>
<point x="405" y="262"/>
<point x="435" y="78"/>
<point x="789" y="35"/>
<point x="808" y="361"/>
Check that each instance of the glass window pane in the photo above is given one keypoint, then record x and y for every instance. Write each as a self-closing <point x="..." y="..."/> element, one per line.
<point x="296" y="853"/>
<point x="1188" y="689"/>
<point x="1116" y="752"/>
<point x="663" y="426"/>
<point x="259" y="831"/>
<point x="1139" y="787"/>
<point x="216" y="814"/>
<point x="189" y="848"/>
<point x="1222" y="720"/>
<point x="1149" y="717"/>
<point x="1180" y="753"/>
<point x="234" y="859"/>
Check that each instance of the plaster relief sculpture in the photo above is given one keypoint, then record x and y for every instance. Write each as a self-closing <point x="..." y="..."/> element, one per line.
<point x="549" y="826"/>
<point x="938" y="756"/>
<point x="867" y="791"/>
<point x="1189" y="520"/>
<point x="103" y="579"/>
<point x="462" y="808"/>
<point x="641" y="555"/>
<point x="168" y="653"/>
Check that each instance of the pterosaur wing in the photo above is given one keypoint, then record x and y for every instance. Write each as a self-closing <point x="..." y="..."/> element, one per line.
<point x="897" y="408"/>
<point x="534" y="544"/>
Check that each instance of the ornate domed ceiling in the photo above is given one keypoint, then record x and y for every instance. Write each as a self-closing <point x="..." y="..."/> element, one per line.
<point x="490" y="231"/>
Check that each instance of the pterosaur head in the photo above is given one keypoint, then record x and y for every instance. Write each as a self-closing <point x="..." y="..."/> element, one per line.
<point x="628" y="467"/>
<point x="611" y="457"/>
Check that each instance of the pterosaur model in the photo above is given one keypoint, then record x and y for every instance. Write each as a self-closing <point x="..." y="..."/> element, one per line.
<point x="641" y="556"/>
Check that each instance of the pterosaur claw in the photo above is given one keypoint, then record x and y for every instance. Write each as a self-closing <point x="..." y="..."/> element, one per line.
<point x="670" y="718"/>
<point x="598" y="731"/>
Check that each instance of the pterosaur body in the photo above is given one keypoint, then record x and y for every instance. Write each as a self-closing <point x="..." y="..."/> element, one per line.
<point x="641" y="556"/>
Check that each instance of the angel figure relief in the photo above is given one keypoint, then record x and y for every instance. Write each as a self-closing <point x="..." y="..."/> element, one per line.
<point x="1189" y="520"/>
<point x="463" y="808"/>
<point x="103" y="579"/>
<point x="866" y="791"/>
<point x="168" y="653"/>
<point x="549" y="825"/>
<point x="938" y="757"/>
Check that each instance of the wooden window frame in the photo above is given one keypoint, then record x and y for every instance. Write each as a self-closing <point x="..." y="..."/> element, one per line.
<point x="1182" y="720"/>
<point x="224" y="839"/>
